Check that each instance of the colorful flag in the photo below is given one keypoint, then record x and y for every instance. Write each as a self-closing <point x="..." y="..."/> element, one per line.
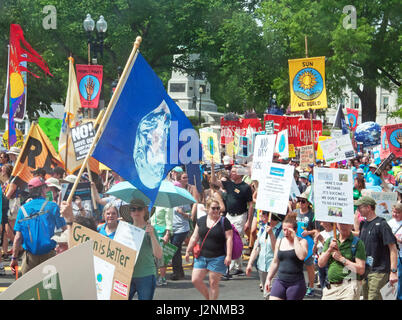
<point x="89" y="79"/>
<point x="147" y="134"/>
<point x="384" y="150"/>
<point x="394" y="136"/>
<point x="307" y="84"/>
<point x="37" y="152"/>
<point x="305" y="132"/>
<point x="51" y="127"/>
<point x="228" y="128"/>
<point x="353" y="116"/>
<point x="15" y="77"/>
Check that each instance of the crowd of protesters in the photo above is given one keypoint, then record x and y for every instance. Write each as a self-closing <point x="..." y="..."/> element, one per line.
<point x="355" y="264"/>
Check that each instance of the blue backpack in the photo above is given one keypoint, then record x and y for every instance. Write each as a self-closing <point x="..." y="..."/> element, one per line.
<point x="35" y="231"/>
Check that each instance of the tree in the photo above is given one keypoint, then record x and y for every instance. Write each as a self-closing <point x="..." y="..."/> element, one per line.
<point x="360" y="58"/>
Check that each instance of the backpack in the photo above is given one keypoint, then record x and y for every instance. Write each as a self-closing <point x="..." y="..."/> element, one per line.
<point x="237" y="242"/>
<point x="353" y="246"/>
<point x="35" y="231"/>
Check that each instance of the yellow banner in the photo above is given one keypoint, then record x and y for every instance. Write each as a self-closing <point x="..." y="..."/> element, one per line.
<point x="307" y="84"/>
<point x="319" y="150"/>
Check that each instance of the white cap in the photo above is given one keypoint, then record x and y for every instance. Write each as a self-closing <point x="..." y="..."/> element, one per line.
<point x="227" y="160"/>
<point x="69" y="179"/>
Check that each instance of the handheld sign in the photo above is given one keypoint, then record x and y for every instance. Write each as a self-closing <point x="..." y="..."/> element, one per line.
<point x="82" y="137"/>
<point x="262" y="155"/>
<point x="337" y="149"/>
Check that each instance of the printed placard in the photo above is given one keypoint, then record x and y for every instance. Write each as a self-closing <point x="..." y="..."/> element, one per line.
<point x="333" y="195"/>
<point x="384" y="200"/>
<point x="306" y="156"/>
<point x="129" y="235"/>
<point x="338" y="149"/>
<point x="274" y="188"/>
<point x="82" y="137"/>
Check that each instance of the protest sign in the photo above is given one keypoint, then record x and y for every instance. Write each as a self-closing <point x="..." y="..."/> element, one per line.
<point x="353" y="117"/>
<point x="67" y="276"/>
<point x="169" y="251"/>
<point x="82" y="137"/>
<point x="391" y="157"/>
<point x="210" y="146"/>
<point x="337" y="149"/>
<point x="294" y="190"/>
<point x="305" y="132"/>
<point x="394" y="136"/>
<point x="129" y="235"/>
<point x="384" y="146"/>
<point x="306" y="156"/>
<point x="319" y="149"/>
<point x="118" y="262"/>
<point x="274" y="188"/>
<point x="389" y="291"/>
<point x="292" y="151"/>
<point x="89" y="80"/>
<point x="282" y="144"/>
<point x="307" y="84"/>
<point x="333" y="195"/>
<point x="228" y="128"/>
<point x="384" y="201"/>
<point x="246" y="124"/>
<point x="243" y="149"/>
<point x="269" y="127"/>
<point x="263" y="153"/>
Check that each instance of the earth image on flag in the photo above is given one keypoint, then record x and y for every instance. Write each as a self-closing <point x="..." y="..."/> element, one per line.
<point x="308" y="84"/>
<point x="151" y="145"/>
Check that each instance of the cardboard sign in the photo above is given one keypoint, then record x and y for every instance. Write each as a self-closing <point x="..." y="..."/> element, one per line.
<point x="89" y="80"/>
<point x="169" y="251"/>
<point x="67" y="276"/>
<point x="333" y="195"/>
<point x="307" y="84"/>
<point x="82" y="137"/>
<point x="263" y="153"/>
<point x="274" y="188"/>
<point x="338" y="149"/>
<point x="384" y="200"/>
<point x="306" y="156"/>
<point x="112" y="253"/>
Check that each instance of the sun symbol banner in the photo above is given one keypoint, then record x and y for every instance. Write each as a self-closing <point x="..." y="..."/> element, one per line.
<point x="307" y="84"/>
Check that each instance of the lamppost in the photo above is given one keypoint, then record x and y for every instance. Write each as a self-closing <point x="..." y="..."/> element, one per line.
<point x="95" y="43"/>
<point x="201" y="91"/>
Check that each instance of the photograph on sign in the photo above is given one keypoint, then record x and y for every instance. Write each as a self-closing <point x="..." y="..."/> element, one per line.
<point x="262" y="155"/>
<point x="333" y="195"/>
<point x="274" y="188"/>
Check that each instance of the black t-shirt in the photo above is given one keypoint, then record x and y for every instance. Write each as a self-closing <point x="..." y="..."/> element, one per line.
<point x="214" y="245"/>
<point x="238" y="196"/>
<point x="377" y="235"/>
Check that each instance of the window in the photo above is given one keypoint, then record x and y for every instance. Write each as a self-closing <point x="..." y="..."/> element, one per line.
<point x="177" y="87"/>
<point x="385" y="102"/>
<point x="356" y="102"/>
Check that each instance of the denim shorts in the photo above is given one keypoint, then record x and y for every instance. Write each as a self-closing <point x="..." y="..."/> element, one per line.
<point x="143" y="286"/>
<point x="212" y="264"/>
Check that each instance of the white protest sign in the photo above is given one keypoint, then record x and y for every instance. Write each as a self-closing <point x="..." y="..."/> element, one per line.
<point x="274" y="188"/>
<point x="104" y="272"/>
<point x="282" y="144"/>
<point x="129" y="235"/>
<point x="294" y="190"/>
<point x="333" y="195"/>
<point x="337" y="149"/>
<point x="262" y="155"/>
<point x="384" y="200"/>
<point x="82" y="137"/>
<point x="389" y="292"/>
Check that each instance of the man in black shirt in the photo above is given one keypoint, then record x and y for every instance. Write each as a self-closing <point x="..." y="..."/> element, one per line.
<point x="239" y="196"/>
<point x="381" y="249"/>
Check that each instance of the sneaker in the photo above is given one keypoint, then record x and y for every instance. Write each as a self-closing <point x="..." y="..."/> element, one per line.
<point x="159" y="282"/>
<point x="227" y="276"/>
<point x="238" y="272"/>
<point x="164" y="281"/>
<point x="310" y="292"/>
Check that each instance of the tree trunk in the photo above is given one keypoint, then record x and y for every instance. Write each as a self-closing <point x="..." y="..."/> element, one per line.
<point x="368" y="98"/>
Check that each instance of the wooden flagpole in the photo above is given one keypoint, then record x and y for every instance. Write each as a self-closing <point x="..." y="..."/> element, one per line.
<point x="107" y="114"/>
<point x="311" y="110"/>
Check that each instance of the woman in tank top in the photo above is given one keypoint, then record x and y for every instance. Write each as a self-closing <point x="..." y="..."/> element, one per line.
<point x="289" y="256"/>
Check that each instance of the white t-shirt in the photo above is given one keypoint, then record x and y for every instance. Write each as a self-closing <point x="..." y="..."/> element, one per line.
<point x="394" y="226"/>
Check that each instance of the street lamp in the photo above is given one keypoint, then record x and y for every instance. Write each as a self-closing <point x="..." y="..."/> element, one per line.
<point x="96" y="44"/>
<point x="201" y="91"/>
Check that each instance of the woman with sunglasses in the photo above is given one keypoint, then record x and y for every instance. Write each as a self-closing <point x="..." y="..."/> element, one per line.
<point x="144" y="277"/>
<point x="215" y="234"/>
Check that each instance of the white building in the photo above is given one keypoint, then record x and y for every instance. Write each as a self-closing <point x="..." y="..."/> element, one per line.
<point x="184" y="89"/>
<point x="387" y="102"/>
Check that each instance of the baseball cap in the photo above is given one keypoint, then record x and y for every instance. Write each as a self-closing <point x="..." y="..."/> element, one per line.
<point x="304" y="175"/>
<point x="14" y="150"/>
<point x="36" y="182"/>
<point x="53" y="182"/>
<point x="178" y="169"/>
<point x="227" y="160"/>
<point x="373" y="165"/>
<point x="137" y="203"/>
<point x="365" y="200"/>
<point x="69" y="179"/>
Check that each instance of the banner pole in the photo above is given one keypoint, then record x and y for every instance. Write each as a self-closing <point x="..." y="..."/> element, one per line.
<point x="105" y="118"/>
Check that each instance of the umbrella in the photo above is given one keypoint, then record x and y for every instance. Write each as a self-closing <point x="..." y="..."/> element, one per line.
<point x="169" y="195"/>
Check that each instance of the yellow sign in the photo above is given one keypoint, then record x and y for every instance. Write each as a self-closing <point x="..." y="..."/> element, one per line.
<point x="307" y="84"/>
<point x="319" y="150"/>
<point x="210" y="146"/>
<point x="292" y="151"/>
<point x="18" y="144"/>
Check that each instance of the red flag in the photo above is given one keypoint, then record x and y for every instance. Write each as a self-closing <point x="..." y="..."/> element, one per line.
<point x="254" y="123"/>
<point x="305" y="132"/>
<point x="353" y="117"/>
<point x="89" y="79"/>
<point x="228" y="128"/>
<point x="394" y="137"/>
<point x="279" y="122"/>
<point x="384" y="151"/>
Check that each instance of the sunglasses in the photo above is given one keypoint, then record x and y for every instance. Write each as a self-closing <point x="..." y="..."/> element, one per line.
<point x="215" y="208"/>
<point x="302" y="201"/>
<point x="136" y="208"/>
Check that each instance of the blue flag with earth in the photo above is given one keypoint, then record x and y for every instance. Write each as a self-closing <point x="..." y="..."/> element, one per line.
<point x="147" y="134"/>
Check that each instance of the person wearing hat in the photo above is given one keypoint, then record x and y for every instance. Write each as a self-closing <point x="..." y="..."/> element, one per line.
<point x="264" y="247"/>
<point x="307" y="228"/>
<point x="143" y="280"/>
<point x="54" y="189"/>
<point x="381" y="250"/>
<point x="62" y="241"/>
<point x="13" y="154"/>
<point x="396" y="226"/>
<point x="371" y="178"/>
<point x="27" y="237"/>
